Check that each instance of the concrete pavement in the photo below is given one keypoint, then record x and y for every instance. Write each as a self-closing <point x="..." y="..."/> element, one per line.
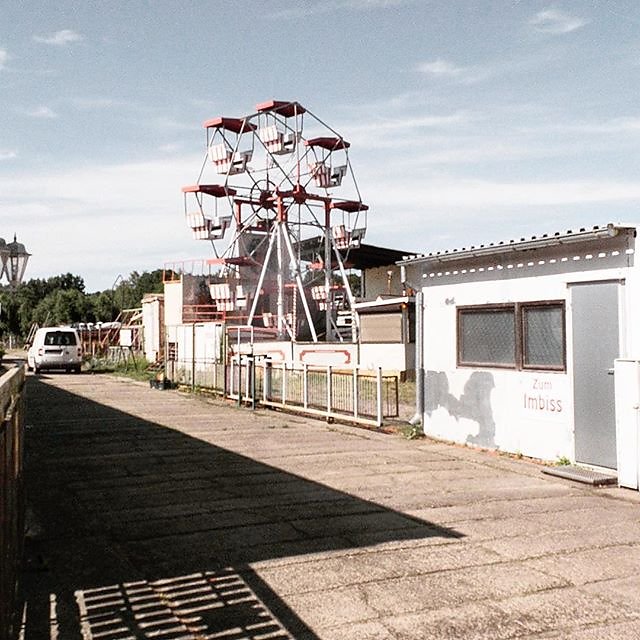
<point x="157" y="514"/>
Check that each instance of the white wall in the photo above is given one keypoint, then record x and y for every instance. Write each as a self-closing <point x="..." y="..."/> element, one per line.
<point x="517" y="411"/>
<point x="326" y="353"/>
<point x="205" y="339"/>
<point x="391" y="357"/>
<point x="151" y="320"/>
<point x="276" y="351"/>
<point x="173" y="303"/>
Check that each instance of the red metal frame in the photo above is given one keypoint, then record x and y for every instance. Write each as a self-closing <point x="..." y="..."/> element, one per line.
<point x="328" y="143"/>
<point x="280" y="188"/>
<point x="236" y="125"/>
<point x="282" y="108"/>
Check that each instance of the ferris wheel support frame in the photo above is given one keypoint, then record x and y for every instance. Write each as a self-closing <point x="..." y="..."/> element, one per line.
<point x="327" y="270"/>
<point x="274" y="135"/>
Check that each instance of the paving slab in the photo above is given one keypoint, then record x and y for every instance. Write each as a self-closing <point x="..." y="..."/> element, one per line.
<point x="593" y="565"/>
<point x="621" y="631"/>
<point x="157" y="514"/>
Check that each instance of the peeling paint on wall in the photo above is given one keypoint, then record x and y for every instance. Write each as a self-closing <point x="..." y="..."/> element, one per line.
<point x="473" y="404"/>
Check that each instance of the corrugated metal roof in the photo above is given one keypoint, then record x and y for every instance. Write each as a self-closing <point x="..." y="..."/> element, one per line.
<point x="523" y="244"/>
<point x="365" y="256"/>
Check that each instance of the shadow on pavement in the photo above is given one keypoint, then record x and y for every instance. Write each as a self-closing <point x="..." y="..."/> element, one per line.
<point x="138" y="530"/>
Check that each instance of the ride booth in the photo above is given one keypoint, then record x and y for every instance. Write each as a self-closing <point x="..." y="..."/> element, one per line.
<point x="531" y="347"/>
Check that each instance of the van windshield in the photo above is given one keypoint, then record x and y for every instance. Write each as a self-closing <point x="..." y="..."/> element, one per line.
<point x="60" y="338"/>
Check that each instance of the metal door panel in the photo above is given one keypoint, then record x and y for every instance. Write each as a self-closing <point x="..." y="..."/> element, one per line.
<point x="595" y="324"/>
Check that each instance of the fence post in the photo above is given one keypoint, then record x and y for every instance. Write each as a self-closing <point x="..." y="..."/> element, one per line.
<point x="193" y="357"/>
<point x="379" y="397"/>
<point x="225" y="361"/>
<point x="284" y="383"/>
<point x="247" y="373"/>
<point x="239" y="380"/>
<point x="305" y="385"/>
<point x="355" y="392"/>
<point x="329" y="389"/>
<point x="253" y="381"/>
<point x="166" y="356"/>
<point x="266" y="383"/>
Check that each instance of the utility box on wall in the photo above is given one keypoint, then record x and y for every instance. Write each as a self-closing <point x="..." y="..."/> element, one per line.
<point x="627" y="397"/>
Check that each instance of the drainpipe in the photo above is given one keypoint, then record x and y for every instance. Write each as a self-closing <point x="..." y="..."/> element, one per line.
<point x="419" y="362"/>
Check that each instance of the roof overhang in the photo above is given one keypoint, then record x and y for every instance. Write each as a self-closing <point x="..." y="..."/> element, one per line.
<point x="556" y="239"/>
<point x="365" y="256"/>
<point x="384" y="305"/>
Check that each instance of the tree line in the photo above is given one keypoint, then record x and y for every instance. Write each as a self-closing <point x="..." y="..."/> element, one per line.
<point x="63" y="300"/>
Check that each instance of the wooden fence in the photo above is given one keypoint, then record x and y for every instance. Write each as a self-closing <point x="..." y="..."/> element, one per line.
<point x="12" y="503"/>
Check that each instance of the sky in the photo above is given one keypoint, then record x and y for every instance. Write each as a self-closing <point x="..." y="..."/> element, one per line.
<point x="470" y="121"/>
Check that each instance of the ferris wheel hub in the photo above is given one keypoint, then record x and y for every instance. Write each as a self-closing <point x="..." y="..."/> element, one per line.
<point x="299" y="194"/>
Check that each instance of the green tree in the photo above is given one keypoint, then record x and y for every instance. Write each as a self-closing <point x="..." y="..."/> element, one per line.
<point x="129" y="293"/>
<point x="65" y="281"/>
<point x="104" y="305"/>
<point x="62" y="299"/>
<point x="63" y="306"/>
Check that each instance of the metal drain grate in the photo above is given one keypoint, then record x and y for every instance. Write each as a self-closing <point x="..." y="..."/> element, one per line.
<point x="579" y="474"/>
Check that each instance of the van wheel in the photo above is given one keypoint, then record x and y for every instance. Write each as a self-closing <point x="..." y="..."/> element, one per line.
<point x="77" y="368"/>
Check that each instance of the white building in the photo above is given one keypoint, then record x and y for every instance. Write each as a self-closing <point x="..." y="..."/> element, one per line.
<point x="519" y="343"/>
<point x="153" y="326"/>
<point x="373" y="334"/>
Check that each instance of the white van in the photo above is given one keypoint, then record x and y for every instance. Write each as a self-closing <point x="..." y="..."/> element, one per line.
<point x="55" y="348"/>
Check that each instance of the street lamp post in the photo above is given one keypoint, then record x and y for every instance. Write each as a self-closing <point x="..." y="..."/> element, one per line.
<point x="14" y="259"/>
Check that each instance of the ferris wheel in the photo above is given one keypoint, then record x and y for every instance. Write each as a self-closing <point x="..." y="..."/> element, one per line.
<point x="277" y="199"/>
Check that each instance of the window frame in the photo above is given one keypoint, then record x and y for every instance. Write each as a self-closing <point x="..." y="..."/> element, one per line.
<point x="522" y="307"/>
<point x="519" y="311"/>
<point x="485" y="308"/>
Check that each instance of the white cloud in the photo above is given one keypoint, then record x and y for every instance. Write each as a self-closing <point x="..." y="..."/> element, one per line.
<point x="454" y="152"/>
<point x="137" y="208"/>
<point x="372" y="4"/>
<point x="402" y="132"/>
<point x="615" y="125"/>
<point x="306" y="8"/>
<point x="467" y="194"/>
<point x="209" y="105"/>
<point x="169" y="124"/>
<point x="472" y="211"/>
<point x="8" y="154"/>
<point x="556" y="22"/>
<point x="42" y="112"/>
<point x="379" y="125"/>
<point x="60" y="38"/>
<point x="4" y="57"/>
<point x="623" y="125"/>
<point x="169" y="148"/>
<point x="440" y="68"/>
<point x="97" y="103"/>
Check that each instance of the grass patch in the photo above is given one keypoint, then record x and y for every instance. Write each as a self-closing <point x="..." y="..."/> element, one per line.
<point x="410" y="431"/>
<point x="134" y="368"/>
<point x="407" y="392"/>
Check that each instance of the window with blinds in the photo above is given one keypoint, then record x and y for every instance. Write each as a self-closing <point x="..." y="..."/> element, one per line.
<point x="528" y="335"/>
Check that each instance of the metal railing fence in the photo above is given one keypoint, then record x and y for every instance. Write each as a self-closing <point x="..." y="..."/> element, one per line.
<point x="204" y="373"/>
<point x="360" y="395"/>
<point x="12" y="503"/>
